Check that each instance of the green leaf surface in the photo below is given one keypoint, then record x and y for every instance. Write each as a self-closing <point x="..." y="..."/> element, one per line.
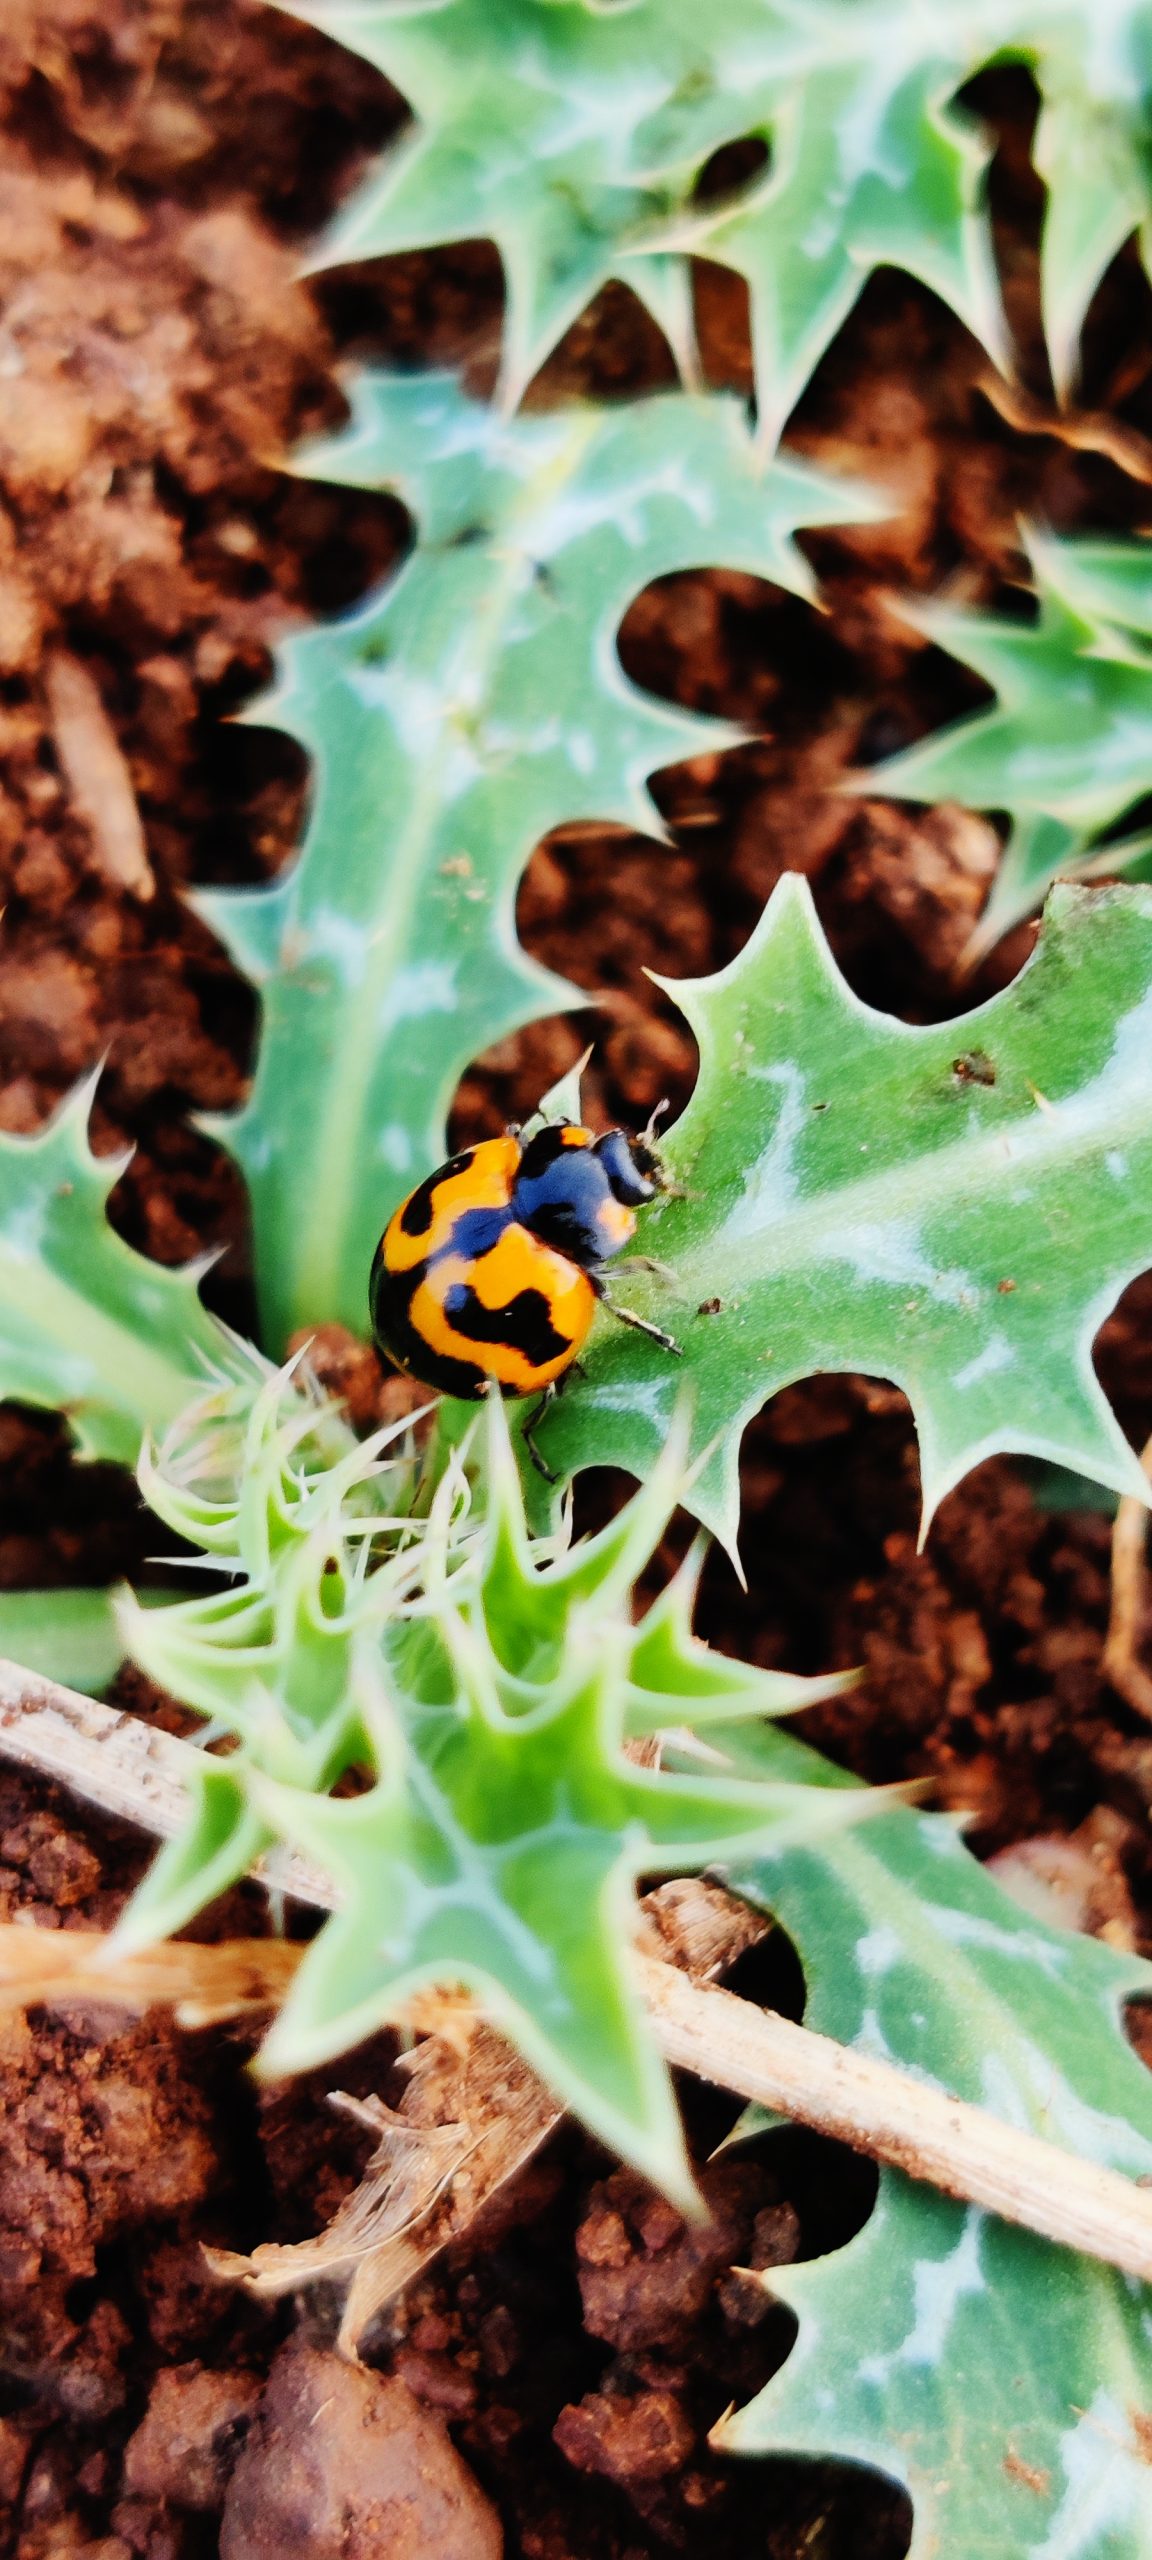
<point x="452" y="721"/>
<point x="1004" y="2381"/>
<point x="1067" y="750"/>
<point x="853" y="1198"/>
<point x="70" y="1636"/>
<point x="120" y="1343"/>
<point x="574" y="137"/>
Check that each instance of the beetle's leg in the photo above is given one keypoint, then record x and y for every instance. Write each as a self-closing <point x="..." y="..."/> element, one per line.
<point x="527" y="1432"/>
<point x="639" y="1324"/>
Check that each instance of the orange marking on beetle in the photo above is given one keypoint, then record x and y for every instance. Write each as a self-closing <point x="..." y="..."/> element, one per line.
<point x="572" y="1135"/>
<point x="521" y="1260"/>
<point x="484" y="1181"/>
<point x="618" y="1222"/>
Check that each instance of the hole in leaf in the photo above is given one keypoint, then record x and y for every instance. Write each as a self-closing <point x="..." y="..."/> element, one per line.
<point x="732" y="170"/>
<point x="182" y="1195"/>
<point x="345" y="543"/>
<point x="831" y="2189"/>
<point x="829" y="1475"/>
<point x="248" y="805"/>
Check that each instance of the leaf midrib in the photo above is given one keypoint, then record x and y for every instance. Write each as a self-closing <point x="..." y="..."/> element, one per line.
<point x="338" y="1145"/>
<point x="799" y="1234"/>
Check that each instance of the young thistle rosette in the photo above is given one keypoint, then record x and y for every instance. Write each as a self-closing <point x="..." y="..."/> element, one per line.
<point x="481" y="1684"/>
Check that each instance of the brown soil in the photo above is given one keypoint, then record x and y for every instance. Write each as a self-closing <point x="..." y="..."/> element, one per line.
<point x="162" y="167"/>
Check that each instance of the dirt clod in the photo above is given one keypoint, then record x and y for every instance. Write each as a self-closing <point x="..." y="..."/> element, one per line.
<point x="645" y="2274"/>
<point x="104" y="2131"/>
<point x="186" y="2444"/>
<point x="341" y="2460"/>
<point x="643" y="2438"/>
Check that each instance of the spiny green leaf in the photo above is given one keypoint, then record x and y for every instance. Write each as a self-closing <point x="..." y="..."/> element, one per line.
<point x="452" y="721"/>
<point x="221" y="1841"/>
<point x="1003" y="2380"/>
<point x="530" y="1593"/>
<point x="271" y="1485"/>
<point x="856" y="1198"/>
<point x="486" y="1682"/>
<point x="574" y="136"/>
<point x="669" y="1665"/>
<point x="118" y="1341"/>
<point x="528" y="118"/>
<point x="501" y="1851"/>
<point x="1068" y="748"/>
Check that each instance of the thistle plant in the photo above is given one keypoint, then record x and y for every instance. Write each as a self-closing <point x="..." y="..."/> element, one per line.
<point x="408" y="1665"/>
<point x="398" y="1627"/>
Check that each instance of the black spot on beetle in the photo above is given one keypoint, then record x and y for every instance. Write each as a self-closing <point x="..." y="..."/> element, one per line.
<point x="525" y="1323"/>
<point x="416" y="1214"/>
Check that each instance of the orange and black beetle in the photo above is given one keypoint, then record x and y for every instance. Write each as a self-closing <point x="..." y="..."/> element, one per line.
<point x="491" y="1270"/>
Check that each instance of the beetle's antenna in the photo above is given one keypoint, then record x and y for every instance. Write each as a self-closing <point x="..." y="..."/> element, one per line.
<point x="648" y="1134"/>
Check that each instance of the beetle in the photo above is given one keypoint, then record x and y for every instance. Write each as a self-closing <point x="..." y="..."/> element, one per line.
<point x="490" y="1272"/>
